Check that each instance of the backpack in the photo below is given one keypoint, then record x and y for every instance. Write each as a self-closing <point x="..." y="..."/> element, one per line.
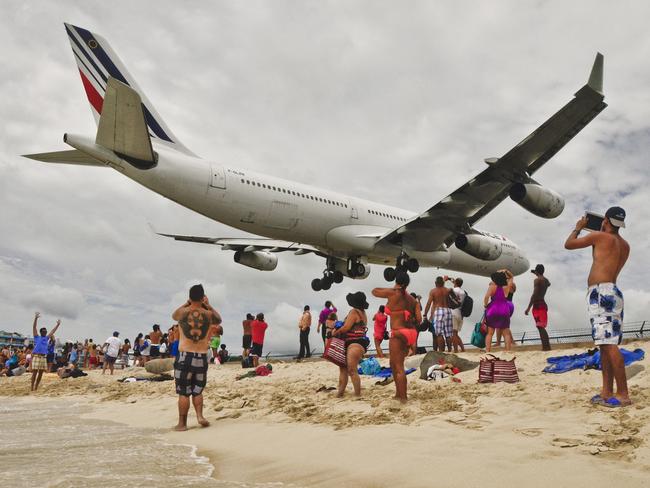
<point x="467" y="306"/>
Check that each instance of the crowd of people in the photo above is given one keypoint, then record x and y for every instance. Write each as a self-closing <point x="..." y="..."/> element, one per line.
<point x="400" y="321"/>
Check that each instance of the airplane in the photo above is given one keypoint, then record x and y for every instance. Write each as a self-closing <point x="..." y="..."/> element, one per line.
<point x="349" y="233"/>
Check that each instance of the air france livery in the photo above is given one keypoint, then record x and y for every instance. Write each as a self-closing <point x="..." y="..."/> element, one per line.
<point x="348" y="232"/>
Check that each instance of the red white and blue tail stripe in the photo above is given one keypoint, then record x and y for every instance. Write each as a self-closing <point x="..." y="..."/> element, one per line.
<point x="97" y="62"/>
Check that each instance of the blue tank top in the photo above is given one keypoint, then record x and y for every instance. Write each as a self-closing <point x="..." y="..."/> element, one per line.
<point x="40" y="345"/>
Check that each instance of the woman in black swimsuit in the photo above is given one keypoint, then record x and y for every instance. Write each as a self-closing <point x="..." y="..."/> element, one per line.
<point x="356" y="343"/>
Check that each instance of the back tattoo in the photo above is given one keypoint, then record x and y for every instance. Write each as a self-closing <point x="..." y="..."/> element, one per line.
<point x="195" y="323"/>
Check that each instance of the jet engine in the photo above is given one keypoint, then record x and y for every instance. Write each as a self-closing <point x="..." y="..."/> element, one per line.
<point x="537" y="200"/>
<point x="261" y="260"/>
<point x="480" y="246"/>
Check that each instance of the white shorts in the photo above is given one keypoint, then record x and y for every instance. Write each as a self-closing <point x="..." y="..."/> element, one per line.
<point x="457" y="322"/>
<point x="605" y="311"/>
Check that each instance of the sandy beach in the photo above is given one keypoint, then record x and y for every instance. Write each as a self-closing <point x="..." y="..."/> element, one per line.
<point x="539" y="432"/>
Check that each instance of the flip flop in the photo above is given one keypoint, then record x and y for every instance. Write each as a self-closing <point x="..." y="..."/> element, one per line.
<point x="597" y="399"/>
<point x="614" y="403"/>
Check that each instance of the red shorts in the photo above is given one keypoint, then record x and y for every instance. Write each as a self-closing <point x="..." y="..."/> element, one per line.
<point x="92" y="360"/>
<point x="540" y="314"/>
<point x="411" y="335"/>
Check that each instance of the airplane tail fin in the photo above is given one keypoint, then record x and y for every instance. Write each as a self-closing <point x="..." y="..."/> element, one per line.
<point x="97" y="62"/>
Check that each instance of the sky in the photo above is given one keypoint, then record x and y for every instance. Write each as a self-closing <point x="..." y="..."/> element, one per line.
<point x="396" y="102"/>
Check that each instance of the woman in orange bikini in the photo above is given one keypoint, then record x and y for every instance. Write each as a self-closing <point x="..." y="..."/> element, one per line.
<point x="356" y="343"/>
<point x="404" y="314"/>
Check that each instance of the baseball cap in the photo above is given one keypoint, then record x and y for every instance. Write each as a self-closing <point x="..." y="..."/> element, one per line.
<point x="538" y="269"/>
<point x="616" y="216"/>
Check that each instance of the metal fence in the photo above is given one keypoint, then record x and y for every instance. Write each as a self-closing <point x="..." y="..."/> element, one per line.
<point x="633" y="330"/>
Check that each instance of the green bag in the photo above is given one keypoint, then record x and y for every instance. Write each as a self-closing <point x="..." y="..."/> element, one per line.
<point x="478" y="339"/>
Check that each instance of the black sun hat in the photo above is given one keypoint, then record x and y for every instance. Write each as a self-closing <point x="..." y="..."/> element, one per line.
<point x="357" y="300"/>
<point x="539" y="269"/>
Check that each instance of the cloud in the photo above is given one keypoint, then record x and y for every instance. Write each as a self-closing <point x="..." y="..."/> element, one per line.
<point x="55" y="300"/>
<point x="371" y="99"/>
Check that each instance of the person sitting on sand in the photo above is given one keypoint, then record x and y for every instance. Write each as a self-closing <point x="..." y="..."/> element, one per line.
<point x="405" y="313"/>
<point x="223" y="355"/>
<point x="356" y="343"/>
<point x="379" y="330"/>
<point x="39" y="360"/>
<point x="197" y="321"/>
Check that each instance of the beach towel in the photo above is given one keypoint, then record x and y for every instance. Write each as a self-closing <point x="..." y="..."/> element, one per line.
<point x="587" y="360"/>
<point x="385" y="372"/>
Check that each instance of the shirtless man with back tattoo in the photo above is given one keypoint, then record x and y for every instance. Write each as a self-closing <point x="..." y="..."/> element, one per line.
<point x="197" y="322"/>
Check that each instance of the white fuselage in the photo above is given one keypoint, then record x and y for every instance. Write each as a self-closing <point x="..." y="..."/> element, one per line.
<point x="340" y="225"/>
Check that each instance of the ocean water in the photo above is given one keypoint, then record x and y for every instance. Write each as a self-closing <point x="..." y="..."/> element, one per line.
<point x="47" y="443"/>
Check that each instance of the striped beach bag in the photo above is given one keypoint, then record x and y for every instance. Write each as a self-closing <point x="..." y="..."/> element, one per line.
<point x="492" y="370"/>
<point x="335" y="351"/>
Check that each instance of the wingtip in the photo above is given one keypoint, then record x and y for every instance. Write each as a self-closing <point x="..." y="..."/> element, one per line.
<point x="596" y="76"/>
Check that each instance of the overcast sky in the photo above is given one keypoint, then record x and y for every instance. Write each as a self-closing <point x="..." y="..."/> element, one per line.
<point x="397" y="102"/>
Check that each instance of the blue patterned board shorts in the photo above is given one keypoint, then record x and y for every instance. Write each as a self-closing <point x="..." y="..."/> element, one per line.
<point x="190" y="373"/>
<point x="605" y="310"/>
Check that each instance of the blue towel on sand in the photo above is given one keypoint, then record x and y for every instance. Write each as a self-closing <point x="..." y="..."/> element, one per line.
<point x="387" y="373"/>
<point x="562" y="364"/>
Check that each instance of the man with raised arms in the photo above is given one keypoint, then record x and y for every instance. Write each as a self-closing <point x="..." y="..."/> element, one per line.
<point x="605" y="301"/>
<point x="197" y="322"/>
<point x="39" y="354"/>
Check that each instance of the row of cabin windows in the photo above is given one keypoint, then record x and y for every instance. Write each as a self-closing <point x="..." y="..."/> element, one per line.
<point x="388" y="216"/>
<point x="295" y="193"/>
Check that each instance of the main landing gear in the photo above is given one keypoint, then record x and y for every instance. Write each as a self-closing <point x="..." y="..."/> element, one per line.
<point x="403" y="264"/>
<point x="332" y="275"/>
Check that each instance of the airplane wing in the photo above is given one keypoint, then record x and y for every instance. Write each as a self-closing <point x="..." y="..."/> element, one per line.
<point x="249" y="244"/>
<point x="459" y="211"/>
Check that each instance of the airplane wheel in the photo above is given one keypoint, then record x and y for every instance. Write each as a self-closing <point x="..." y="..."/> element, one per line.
<point x="389" y="274"/>
<point x="338" y="277"/>
<point x="359" y="269"/>
<point x="326" y="283"/>
<point x="316" y="285"/>
<point x="413" y="265"/>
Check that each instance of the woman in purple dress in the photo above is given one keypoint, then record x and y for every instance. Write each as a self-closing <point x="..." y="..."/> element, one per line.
<point x="498" y="309"/>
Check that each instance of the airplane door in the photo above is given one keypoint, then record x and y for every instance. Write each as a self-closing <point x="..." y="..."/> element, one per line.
<point x="218" y="178"/>
<point x="353" y="212"/>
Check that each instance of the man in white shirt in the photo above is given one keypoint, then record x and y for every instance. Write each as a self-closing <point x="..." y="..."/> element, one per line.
<point x="111" y="348"/>
<point x="457" y="316"/>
